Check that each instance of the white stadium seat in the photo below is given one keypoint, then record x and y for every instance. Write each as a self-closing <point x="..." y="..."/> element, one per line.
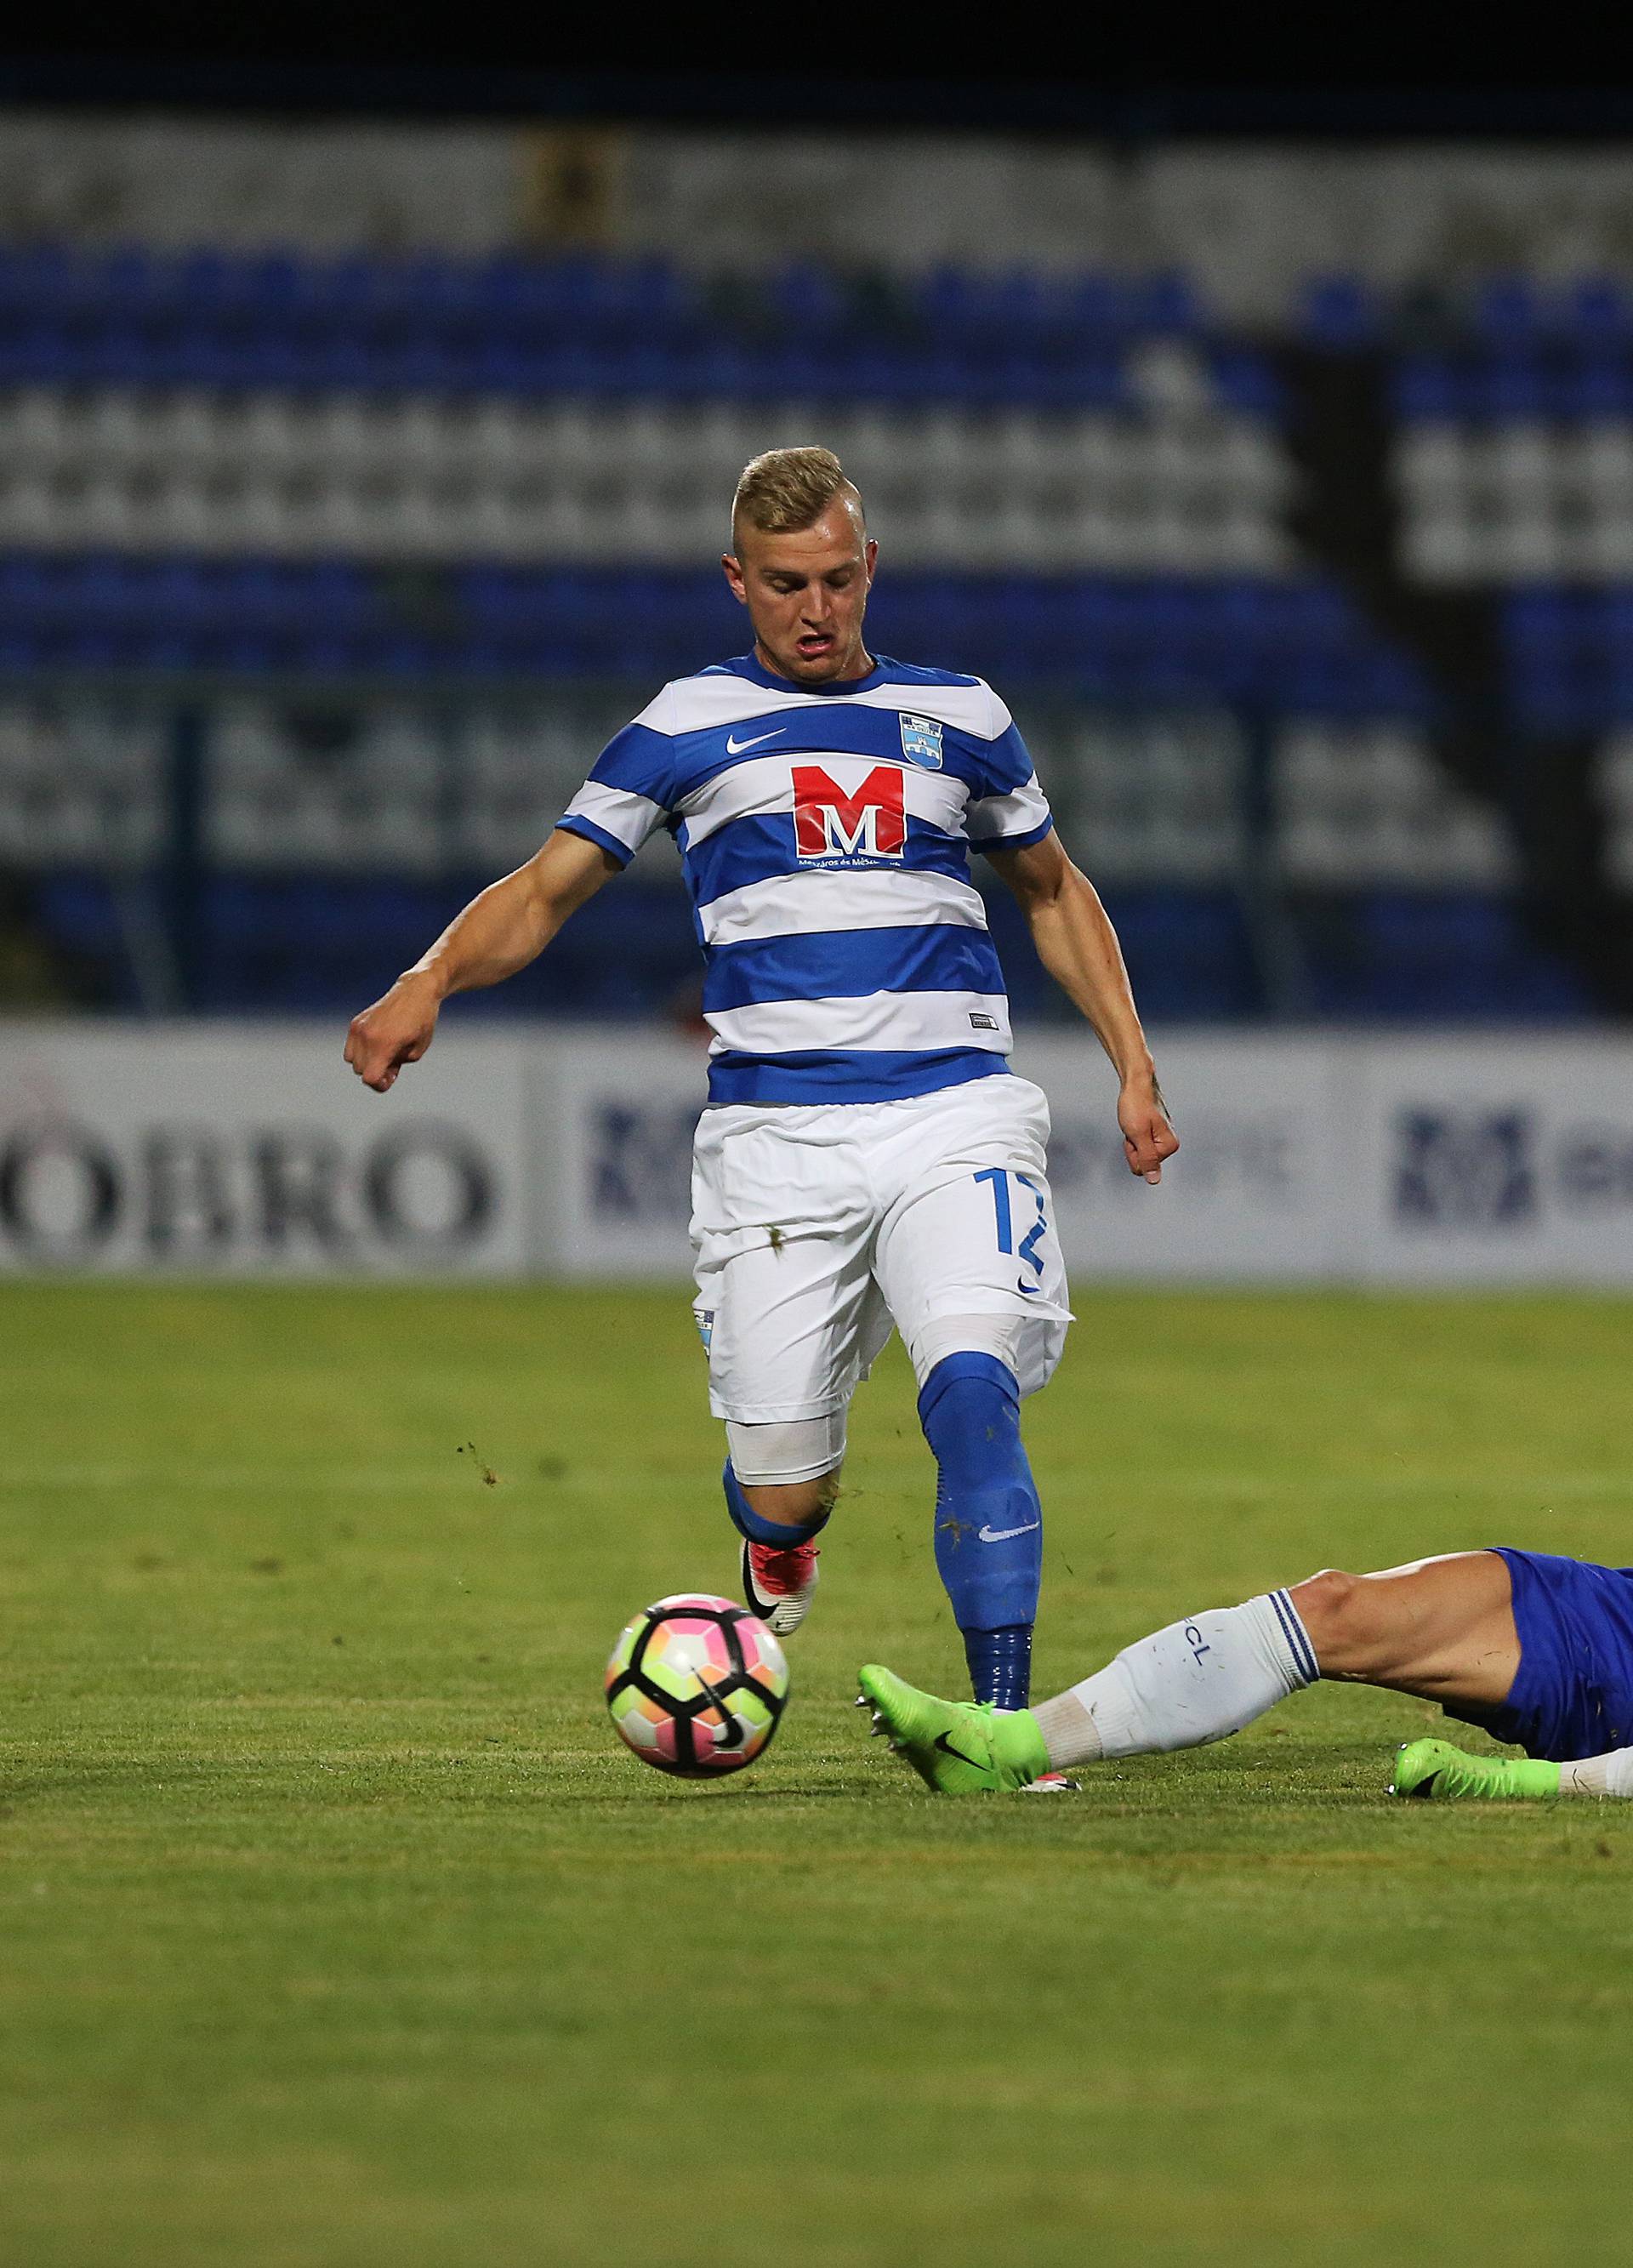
<point x="1368" y="805"/>
<point x="80" y="783"/>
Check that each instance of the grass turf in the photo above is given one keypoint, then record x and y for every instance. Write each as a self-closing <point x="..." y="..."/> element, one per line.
<point x="339" y="1931"/>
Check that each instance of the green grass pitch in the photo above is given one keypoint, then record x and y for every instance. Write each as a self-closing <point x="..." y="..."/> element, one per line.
<point x="339" y="1932"/>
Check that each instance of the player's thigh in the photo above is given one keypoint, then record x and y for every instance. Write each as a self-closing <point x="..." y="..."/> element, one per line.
<point x="786" y="1329"/>
<point x="782" y="1233"/>
<point x="970" y="1236"/>
<point x="1441" y="1627"/>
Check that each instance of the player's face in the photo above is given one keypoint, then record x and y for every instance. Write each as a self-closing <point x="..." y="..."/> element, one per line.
<point x="806" y="594"/>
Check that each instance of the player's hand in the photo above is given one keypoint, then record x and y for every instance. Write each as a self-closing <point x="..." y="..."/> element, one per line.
<point x="1148" y="1135"/>
<point x="396" y="1030"/>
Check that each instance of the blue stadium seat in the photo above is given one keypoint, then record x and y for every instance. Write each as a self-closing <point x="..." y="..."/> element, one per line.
<point x="1245" y="382"/>
<point x="1507" y="312"/>
<point x="1339" y="314"/>
<point x="1093" y="309"/>
<point x="1599" y="385"/>
<point x="1516" y="385"/>
<point x="1428" y="957"/>
<point x="1610" y="613"/>
<point x="1540" y="619"/>
<point x="1598" y="308"/>
<point x="1425" y="387"/>
<point x="1188" y="953"/>
<point x="77" y="914"/>
<point x="1164" y="302"/>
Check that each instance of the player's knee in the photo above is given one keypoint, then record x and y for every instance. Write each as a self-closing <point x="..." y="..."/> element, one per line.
<point x="997" y="1336"/>
<point x="970" y="1392"/>
<point x="798" y="1452"/>
<point x="793" y="1504"/>
<point x="1339" y="1619"/>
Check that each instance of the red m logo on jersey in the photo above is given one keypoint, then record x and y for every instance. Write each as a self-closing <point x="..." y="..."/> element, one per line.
<point x="872" y="823"/>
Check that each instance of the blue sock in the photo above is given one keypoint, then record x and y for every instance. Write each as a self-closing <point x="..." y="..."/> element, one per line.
<point x="988" y="1520"/>
<point x="749" y="1522"/>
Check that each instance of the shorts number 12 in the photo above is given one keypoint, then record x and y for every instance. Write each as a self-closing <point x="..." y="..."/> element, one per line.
<point x="1004" y="1220"/>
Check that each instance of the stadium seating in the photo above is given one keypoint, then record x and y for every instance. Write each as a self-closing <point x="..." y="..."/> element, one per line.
<point x="1295" y="645"/>
<point x="411" y="535"/>
<point x="1409" y="956"/>
<point x="601" y="328"/>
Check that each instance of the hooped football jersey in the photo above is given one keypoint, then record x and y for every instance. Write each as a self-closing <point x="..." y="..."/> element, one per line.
<point x="826" y="836"/>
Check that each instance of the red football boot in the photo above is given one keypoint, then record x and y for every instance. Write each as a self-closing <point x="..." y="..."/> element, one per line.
<point x="779" y="1583"/>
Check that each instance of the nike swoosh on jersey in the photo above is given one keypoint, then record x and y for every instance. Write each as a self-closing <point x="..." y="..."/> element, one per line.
<point x="1003" y="1535"/>
<point x="736" y="748"/>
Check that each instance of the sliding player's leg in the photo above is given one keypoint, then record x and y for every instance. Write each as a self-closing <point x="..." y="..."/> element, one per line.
<point x="1197" y="1681"/>
<point x="790" y="1316"/>
<point x="1443" y="1628"/>
<point x="1569" y="1702"/>
<point x="969" y="1266"/>
<point x="1434" y="1768"/>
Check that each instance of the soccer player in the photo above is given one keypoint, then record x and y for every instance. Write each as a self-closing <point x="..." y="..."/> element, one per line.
<point x="866" y="1156"/>
<point x="1535" y="1649"/>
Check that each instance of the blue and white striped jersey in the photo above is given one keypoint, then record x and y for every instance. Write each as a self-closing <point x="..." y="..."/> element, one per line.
<point x="825" y="838"/>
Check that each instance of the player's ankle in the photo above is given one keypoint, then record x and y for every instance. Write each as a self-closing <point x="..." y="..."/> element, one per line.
<point x="1018" y="1745"/>
<point x="1000" y="1664"/>
<point x="1068" y="1730"/>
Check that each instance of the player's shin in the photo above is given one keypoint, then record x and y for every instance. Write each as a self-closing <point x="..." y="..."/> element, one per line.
<point x="988" y="1520"/>
<point x="1195" y="1681"/>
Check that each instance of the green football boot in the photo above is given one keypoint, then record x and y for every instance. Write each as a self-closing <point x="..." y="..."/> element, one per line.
<point x="957" y="1748"/>
<point x="1434" y="1768"/>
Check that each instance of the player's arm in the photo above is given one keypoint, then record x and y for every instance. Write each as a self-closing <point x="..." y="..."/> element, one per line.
<point x="1077" y="945"/>
<point x="501" y="931"/>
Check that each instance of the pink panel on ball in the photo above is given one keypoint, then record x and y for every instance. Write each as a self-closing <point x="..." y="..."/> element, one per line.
<point x="719" y="1761"/>
<point x="762" y="1656"/>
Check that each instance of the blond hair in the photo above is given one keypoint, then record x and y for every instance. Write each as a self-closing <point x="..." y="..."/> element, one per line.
<point x="784" y="490"/>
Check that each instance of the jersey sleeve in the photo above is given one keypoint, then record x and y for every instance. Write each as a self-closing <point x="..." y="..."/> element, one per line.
<point x="1008" y="808"/>
<point x="629" y="793"/>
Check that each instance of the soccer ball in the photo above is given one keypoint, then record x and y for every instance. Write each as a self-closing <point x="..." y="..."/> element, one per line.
<point x="697" y="1686"/>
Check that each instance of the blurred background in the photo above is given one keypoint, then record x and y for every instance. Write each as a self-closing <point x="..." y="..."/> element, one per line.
<point x="361" y="472"/>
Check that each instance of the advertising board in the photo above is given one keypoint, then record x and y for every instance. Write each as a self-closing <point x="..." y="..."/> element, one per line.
<point x="250" y="1150"/>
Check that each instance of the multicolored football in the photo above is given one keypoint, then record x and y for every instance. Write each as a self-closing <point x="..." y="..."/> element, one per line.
<point x="696" y="1686"/>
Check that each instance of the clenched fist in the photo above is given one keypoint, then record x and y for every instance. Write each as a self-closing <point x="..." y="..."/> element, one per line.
<point x="1148" y="1135"/>
<point x="396" y="1030"/>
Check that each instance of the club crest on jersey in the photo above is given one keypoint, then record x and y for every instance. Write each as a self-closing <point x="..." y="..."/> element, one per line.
<point x="870" y="822"/>
<point x="921" y="740"/>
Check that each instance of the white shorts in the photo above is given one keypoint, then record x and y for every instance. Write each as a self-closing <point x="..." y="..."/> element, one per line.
<point x="814" y="1228"/>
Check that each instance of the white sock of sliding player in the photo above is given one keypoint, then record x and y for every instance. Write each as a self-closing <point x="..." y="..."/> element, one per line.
<point x="1195" y="1681"/>
<point x="1606" y="1775"/>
